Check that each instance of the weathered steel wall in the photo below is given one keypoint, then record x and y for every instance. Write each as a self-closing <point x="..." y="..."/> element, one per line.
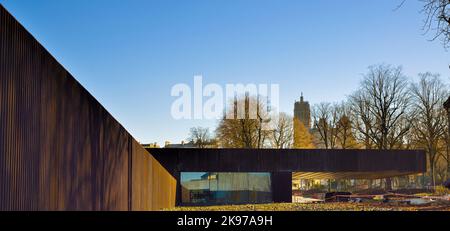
<point x="152" y="187"/>
<point x="290" y="160"/>
<point x="59" y="148"/>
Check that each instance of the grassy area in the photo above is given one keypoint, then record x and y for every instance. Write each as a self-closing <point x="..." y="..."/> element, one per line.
<point x="335" y="206"/>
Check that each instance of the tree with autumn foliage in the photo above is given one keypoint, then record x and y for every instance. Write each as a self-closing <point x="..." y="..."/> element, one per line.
<point x="302" y="138"/>
<point x="345" y="137"/>
<point x="344" y="128"/>
<point x="244" y="126"/>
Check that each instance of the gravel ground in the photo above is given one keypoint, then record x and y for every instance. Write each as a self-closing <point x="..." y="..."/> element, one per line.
<point x="334" y="206"/>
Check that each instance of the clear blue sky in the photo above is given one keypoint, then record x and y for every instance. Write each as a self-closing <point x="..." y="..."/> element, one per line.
<point x="129" y="54"/>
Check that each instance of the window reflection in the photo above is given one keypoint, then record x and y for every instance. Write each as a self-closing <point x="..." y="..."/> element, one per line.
<point x="225" y="188"/>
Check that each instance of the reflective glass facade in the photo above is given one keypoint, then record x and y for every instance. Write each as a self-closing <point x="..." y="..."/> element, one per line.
<point x="225" y="188"/>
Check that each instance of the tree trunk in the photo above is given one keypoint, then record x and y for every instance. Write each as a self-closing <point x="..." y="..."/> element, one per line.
<point x="388" y="184"/>
<point x="432" y="175"/>
<point x="448" y="161"/>
<point x="448" y="170"/>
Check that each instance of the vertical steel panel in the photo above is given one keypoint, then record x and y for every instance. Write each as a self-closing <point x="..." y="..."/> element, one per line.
<point x="153" y="188"/>
<point x="282" y="187"/>
<point x="59" y="148"/>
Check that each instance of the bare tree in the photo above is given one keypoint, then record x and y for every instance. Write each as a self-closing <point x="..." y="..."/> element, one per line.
<point x="362" y="118"/>
<point x="381" y="108"/>
<point x="333" y="124"/>
<point x="344" y="128"/>
<point x="200" y="136"/>
<point x="430" y="118"/>
<point x="282" y="134"/>
<point x="325" y="118"/>
<point x="438" y="19"/>
<point x="246" y="131"/>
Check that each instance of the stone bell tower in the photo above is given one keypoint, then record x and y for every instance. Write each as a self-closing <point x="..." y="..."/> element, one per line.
<point x="302" y="112"/>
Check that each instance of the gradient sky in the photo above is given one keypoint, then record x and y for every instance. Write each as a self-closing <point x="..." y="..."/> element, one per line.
<point x="128" y="54"/>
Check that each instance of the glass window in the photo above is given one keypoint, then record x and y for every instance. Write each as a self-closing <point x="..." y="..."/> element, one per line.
<point x="225" y="188"/>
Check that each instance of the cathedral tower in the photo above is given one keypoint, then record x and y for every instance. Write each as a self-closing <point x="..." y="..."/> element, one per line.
<point x="302" y="112"/>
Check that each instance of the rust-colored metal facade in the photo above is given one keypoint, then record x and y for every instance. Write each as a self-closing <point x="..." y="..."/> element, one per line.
<point x="286" y="164"/>
<point x="59" y="148"/>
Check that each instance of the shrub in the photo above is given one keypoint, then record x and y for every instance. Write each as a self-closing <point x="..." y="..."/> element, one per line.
<point x="441" y="190"/>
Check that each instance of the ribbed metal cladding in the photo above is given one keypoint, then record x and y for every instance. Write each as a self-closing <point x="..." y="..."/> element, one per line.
<point x="59" y="148"/>
<point x="376" y="162"/>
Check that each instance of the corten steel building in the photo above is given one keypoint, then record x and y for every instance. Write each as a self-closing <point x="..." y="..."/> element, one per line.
<point x="60" y="149"/>
<point x="223" y="176"/>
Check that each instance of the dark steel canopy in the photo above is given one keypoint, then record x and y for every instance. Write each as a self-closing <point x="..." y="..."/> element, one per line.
<point x="303" y="163"/>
